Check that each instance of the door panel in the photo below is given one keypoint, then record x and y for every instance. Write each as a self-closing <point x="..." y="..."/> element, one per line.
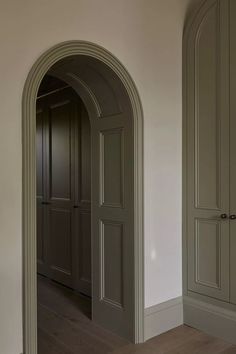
<point x="111" y="246"/>
<point x="208" y="155"/>
<point x="85" y="158"/>
<point x="112" y="223"/>
<point x="61" y="239"/>
<point x="208" y="241"/>
<point x="39" y="152"/>
<point x="84" y="252"/>
<point x="61" y="150"/>
<point x="207" y="134"/>
<point x="40" y="192"/>
<point x="40" y="241"/>
<point x="111" y="168"/>
<point x="233" y="150"/>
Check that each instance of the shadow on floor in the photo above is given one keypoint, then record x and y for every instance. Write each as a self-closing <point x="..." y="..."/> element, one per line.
<point x="65" y="327"/>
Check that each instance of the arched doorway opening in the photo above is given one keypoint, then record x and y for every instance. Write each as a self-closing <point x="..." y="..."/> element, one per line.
<point x="115" y="113"/>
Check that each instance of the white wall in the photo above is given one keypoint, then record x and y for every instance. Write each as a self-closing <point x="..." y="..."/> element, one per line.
<point x="146" y="36"/>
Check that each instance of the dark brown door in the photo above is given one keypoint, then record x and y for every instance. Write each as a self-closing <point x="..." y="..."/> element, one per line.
<point x="63" y="207"/>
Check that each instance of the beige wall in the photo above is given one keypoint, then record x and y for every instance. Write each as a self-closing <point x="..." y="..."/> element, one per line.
<point x="146" y="36"/>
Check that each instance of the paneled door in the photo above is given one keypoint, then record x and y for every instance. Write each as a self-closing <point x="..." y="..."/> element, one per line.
<point x="62" y="111"/>
<point x="112" y="223"/>
<point x="208" y="160"/>
<point x="63" y="190"/>
<point x="233" y="152"/>
<point x="42" y="241"/>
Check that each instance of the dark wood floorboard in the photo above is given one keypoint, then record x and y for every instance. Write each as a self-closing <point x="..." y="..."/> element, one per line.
<point x="65" y="327"/>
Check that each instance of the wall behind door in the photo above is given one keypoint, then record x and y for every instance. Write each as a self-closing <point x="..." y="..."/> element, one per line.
<point x="147" y="37"/>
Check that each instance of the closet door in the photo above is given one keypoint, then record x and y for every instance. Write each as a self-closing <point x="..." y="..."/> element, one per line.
<point x="83" y="201"/>
<point x="42" y="244"/>
<point x="62" y="113"/>
<point x="208" y="152"/>
<point x="233" y="151"/>
<point x="64" y="190"/>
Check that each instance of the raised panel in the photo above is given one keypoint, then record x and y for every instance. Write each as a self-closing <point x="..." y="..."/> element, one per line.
<point x="84" y="252"/>
<point x="207" y="123"/>
<point x="85" y="164"/>
<point x="233" y="263"/>
<point x="60" y="150"/>
<point x="39" y="152"/>
<point x="111" y="263"/>
<point x="61" y="240"/>
<point x="111" y="168"/>
<point x="207" y="252"/>
<point x="40" y="235"/>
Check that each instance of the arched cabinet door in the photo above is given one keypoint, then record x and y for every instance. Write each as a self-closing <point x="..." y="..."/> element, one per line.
<point x="233" y="150"/>
<point x="207" y="151"/>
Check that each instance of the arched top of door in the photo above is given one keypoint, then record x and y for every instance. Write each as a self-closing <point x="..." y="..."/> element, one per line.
<point x="102" y="82"/>
<point x="197" y="13"/>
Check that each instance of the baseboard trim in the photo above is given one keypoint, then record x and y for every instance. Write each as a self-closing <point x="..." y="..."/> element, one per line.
<point x="163" y="317"/>
<point x="212" y="319"/>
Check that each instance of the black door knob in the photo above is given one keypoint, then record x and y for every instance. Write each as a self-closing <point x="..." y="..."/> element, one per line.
<point x="232" y="217"/>
<point x="224" y="216"/>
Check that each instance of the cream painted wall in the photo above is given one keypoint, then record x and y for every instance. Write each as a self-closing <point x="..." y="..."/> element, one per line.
<point x="146" y="36"/>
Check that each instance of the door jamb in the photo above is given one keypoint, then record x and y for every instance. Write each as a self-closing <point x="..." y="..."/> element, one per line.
<point x="39" y="69"/>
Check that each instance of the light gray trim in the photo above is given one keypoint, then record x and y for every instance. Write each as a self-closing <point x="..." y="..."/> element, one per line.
<point x="163" y="317"/>
<point x="212" y="319"/>
<point x="39" y="69"/>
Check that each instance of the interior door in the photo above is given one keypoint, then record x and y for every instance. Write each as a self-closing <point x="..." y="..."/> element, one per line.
<point x="83" y="196"/>
<point x="232" y="154"/>
<point x="42" y="242"/>
<point x="64" y="189"/>
<point x="62" y="112"/>
<point x="112" y="223"/>
<point x="208" y="154"/>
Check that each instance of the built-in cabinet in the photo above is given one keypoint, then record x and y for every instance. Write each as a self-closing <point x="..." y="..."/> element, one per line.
<point x="64" y="189"/>
<point x="210" y="153"/>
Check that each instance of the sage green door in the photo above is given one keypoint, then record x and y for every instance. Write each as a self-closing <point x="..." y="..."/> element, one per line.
<point x="112" y="223"/>
<point x="208" y="151"/>
<point x="233" y="151"/>
<point x="64" y="189"/>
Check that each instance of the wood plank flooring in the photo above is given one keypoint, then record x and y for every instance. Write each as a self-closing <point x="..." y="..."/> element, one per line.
<point x="64" y="327"/>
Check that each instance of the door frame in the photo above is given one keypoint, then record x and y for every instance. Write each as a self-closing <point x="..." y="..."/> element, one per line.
<point x="36" y="74"/>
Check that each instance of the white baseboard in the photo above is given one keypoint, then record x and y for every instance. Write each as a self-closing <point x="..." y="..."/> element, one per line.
<point x="163" y="317"/>
<point x="212" y="319"/>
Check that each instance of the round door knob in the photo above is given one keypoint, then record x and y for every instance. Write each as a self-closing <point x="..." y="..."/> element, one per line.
<point x="224" y="216"/>
<point x="232" y="217"/>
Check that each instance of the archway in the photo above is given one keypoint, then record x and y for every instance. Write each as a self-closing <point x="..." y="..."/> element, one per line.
<point x="63" y="59"/>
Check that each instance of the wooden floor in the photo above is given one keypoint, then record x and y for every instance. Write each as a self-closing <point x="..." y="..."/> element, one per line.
<point x="64" y="327"/>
